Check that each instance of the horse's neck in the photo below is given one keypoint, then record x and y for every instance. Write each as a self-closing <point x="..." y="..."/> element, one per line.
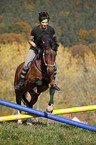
<point x="42" y="63"/>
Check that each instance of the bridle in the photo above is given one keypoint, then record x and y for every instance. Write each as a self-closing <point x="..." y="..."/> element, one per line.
<point x="45" y="61"/>
<point x="37" y="56"/>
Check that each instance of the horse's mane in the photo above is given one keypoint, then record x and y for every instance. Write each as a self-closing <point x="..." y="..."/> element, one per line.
<point x="44" y="41"/>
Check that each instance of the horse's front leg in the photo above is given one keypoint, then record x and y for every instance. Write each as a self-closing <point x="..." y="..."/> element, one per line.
<point x="51" y="102"/>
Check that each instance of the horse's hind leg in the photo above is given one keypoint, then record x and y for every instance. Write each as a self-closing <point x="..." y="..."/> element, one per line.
<point x="18" y="101"/>
<point x="18" y="98"/>
<point x="30" y="104"/>
<point x="34" y="98"/>
<point x="25" y="101"/>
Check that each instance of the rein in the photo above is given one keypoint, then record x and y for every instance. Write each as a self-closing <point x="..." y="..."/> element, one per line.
<point x="37" y="56"/>
<point x="38" y="67"/>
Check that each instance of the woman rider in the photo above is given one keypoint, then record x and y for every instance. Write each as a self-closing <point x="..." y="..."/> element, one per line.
<point x="33" y="51"/>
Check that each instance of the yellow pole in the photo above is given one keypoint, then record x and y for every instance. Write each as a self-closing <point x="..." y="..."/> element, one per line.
<point x="16" y="117"/>
<point x="74" y="110"/>
<point x="55" y="112"/>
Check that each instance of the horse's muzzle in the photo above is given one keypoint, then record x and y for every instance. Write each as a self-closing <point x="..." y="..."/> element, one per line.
<point x="50" y="72"/>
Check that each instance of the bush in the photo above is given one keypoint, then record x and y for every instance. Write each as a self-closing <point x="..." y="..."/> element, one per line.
<point x="20" y="27"/>
<point x="11" y="37"/>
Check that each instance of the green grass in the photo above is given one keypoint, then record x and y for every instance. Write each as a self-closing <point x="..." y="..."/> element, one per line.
<point x="44" y="133"/>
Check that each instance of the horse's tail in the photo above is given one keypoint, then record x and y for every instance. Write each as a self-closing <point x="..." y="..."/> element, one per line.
<point x="18" y="73"/>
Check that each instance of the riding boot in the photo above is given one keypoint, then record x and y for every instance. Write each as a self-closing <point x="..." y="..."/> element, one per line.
<point x="55" y="72"/>
<point x="22" y="79"/>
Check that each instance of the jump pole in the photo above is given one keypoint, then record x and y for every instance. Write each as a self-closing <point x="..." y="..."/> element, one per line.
<point x="16" y="117"/>
<point x="55" y="112"/>
<point x="49" y="116"/>
<point x="74" y="110"/>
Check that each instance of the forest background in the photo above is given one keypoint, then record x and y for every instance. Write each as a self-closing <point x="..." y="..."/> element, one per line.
<point x="75" y="24"/>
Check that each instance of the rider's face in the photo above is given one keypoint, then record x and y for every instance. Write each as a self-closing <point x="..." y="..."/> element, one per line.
<point x="44" y="23"/>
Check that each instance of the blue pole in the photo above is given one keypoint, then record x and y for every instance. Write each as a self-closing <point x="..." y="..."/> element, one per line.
<point x="50" y="116"/>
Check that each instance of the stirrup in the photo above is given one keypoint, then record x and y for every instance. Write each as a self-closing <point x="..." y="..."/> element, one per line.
<point x="57" y="88"/>
<point x="19" y="85"/>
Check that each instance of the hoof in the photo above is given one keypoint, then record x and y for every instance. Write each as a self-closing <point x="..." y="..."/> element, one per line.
<point x="50" y="108"/>
<point x="19" y="121"/>
<point x="27" y="121"/>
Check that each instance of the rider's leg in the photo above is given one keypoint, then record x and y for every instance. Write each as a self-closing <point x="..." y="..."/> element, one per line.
<point x="31" y="54"/>
<point x="55" y="72"/>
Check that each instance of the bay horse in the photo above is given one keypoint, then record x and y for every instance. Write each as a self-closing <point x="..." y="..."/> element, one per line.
<point x="40" y="75"/>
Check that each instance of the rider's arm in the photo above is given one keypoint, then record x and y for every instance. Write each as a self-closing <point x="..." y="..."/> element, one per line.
<point x="54" y="36"/>
<point x="31" y="42"/>
<point x="55" y="39"/>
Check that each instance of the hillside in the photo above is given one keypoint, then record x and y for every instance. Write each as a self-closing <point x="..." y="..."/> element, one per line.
<point x="73" y="20"/>
<point x="75" y="25"/>
<point x="76" y="77"/>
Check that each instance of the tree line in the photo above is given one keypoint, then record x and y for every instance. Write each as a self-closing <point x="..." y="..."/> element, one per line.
<point x="72" y="19"/>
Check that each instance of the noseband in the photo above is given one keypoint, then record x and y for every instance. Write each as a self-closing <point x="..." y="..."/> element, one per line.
<point x="45" y="60"/>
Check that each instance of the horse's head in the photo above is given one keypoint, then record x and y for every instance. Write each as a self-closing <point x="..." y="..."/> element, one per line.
<point x="49" y="52"/>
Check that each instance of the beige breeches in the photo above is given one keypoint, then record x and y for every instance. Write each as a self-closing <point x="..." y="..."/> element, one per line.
<point x="31" y="54"/>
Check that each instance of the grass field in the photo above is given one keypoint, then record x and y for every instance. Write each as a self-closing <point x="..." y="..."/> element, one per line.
<point x="44" y="132"/>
